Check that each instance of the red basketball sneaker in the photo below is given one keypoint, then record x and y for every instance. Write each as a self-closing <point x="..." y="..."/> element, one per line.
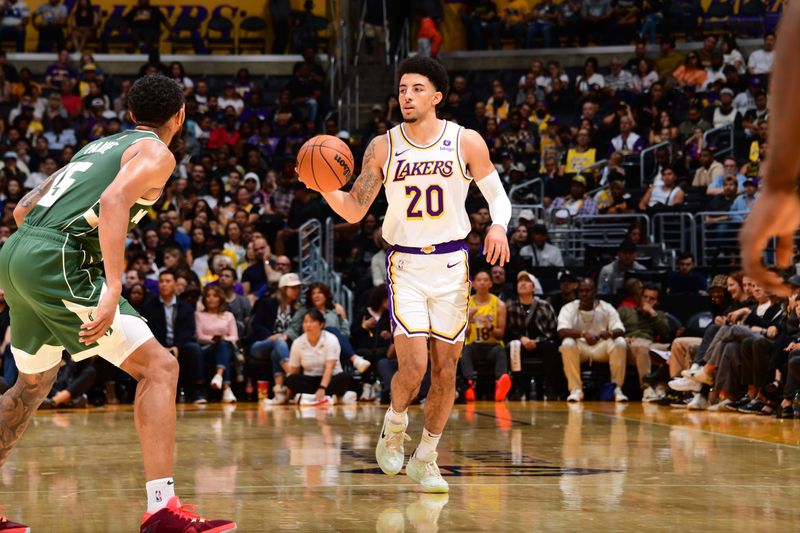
<point x="177" y="518"/>
<point x="501" y="388"/>
<point x="7" y="526"/>
<point x="469" y="394"/>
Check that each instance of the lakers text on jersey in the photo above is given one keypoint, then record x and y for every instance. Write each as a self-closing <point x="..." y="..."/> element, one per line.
<point x="426" y="187"/>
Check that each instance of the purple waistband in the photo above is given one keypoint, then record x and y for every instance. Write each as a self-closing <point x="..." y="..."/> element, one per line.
<point x="441" y="248"/>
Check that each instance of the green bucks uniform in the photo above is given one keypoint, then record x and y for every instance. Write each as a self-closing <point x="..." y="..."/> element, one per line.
<point x="50" y="269"/>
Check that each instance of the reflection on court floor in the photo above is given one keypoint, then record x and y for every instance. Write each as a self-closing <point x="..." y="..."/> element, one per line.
<point x="511" y="467"/>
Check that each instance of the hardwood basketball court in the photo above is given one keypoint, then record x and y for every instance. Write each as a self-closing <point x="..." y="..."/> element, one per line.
<point x="511" y="467"/>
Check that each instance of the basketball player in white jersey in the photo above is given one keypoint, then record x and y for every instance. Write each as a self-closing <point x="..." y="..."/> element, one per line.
<point x="426" y="166"/>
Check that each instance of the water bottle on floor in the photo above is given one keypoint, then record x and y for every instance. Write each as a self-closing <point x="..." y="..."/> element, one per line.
<point x="532" y="390"/>
<point x="514" y="348"/>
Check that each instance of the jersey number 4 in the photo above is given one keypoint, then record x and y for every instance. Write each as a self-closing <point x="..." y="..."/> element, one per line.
<point x="434" y="202"/>
<point x="62" y="182"/>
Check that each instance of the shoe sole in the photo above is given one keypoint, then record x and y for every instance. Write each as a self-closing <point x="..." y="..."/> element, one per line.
<point x="436" y="490"/>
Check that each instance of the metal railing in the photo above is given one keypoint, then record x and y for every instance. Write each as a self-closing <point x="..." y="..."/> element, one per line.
<point x="718" y="242"/>
<point x="403" y="50"/>
<point x="314" y="267"/>
<point x="349" y="98"/>
<point x="536" y="183"/>
<point x="676" y="231"/>
<point x="644" y="153"/>
<point x="584" y="230"/>
<point x="720" y="133"/>
<point x="328" y="240"/>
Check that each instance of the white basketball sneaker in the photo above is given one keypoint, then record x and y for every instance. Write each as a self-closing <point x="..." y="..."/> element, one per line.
<point x="426" y="473"/>
<point x="390" y="450"/>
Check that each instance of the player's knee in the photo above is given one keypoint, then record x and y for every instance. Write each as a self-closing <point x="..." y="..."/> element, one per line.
<point x="163" y="368"/>
<point x="412" y="373"/>
<point x="620" y="344"/>
<point x="444" y="372"/>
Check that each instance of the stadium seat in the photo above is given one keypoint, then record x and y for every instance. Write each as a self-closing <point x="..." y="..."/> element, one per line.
<point x="115" y="36"/>
<point x="220" y="35"/>
<point x="185" y="34"/>
<point x="253" y="35"/>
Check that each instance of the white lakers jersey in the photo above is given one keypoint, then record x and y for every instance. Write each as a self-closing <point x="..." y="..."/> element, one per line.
<point x="426" y="187"/>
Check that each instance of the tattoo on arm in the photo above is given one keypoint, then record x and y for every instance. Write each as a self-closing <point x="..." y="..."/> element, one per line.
<point x="37" y="192"/>
<point x="365" y="186"/>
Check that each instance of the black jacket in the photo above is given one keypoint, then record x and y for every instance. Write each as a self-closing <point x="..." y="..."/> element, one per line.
<point x="184" y="327"/>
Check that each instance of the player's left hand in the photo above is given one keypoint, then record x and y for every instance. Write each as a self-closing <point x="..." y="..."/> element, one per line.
<point x="775" y="214"/>
<point x="495" y="247"/>
<point x="103" y="316"/>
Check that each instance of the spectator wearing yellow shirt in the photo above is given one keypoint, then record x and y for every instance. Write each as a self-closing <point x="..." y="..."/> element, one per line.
<point x="514" y="15"/>
<point x="581" y="156"/>
<point x="497" y="106"/>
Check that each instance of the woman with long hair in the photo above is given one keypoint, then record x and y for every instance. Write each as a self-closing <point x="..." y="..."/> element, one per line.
<point x="217" y="335"/>
<point x="645" y="75"/>
<point x="272" y="316"/>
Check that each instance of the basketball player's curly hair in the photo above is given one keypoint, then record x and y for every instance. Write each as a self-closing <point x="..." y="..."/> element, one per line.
<point x="431" y="69"/>
<point x="154" y="99"/>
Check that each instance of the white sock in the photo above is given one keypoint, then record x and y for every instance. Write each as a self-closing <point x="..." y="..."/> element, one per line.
<point x="397" y="420"/>
<point x="427" y="445"/>
<point x="159" y="491"/>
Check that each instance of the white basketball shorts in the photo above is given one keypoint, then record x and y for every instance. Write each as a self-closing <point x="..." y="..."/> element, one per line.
<point x="429" y="290"/>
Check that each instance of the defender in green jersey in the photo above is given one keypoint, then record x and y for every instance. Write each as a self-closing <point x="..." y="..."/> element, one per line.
<point x="71" y="227"/>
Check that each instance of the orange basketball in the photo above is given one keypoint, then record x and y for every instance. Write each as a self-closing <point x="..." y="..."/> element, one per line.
<point x="325" y="163"/>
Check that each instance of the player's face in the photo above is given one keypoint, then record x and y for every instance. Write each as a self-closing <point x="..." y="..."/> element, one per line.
<point x="417" y="96"/>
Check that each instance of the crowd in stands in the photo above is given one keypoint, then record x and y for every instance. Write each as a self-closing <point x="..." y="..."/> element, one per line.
<point x="213" y="265"/>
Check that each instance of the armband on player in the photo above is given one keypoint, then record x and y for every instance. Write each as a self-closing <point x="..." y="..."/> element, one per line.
<point x="499" y="205"/>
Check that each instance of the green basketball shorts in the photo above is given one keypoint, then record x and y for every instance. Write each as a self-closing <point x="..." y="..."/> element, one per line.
<point x="52" y="286"/>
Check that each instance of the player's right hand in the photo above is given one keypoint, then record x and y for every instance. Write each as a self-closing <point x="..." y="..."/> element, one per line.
<point x="103" y="316"/>
<point x="496" y="246"/>
<point x="775" y="214"/>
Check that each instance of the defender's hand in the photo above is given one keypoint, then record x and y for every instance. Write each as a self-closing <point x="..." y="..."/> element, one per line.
<point x="495" y="247"/>
<point x="775" y="214"/>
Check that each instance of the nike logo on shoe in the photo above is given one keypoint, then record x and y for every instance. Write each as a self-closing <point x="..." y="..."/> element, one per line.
<point x="397" y="154"/>
<point x="454" y="264"/>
